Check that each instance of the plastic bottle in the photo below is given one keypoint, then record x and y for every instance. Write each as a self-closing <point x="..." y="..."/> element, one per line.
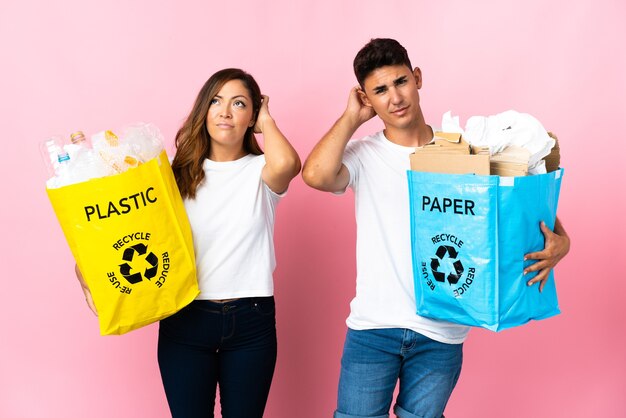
<point x="116" y="153"/>
<point x="64" y="164"/>
<point x="50" y="150"/>
<point x="78" y="145"/>
<point x="85" y="162"/>
<point x="62" y="175"/>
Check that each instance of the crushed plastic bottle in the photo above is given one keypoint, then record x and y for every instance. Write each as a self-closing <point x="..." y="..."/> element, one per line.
<point x="105" y="155"/>
<point x="50" y="149"/>
<point x="62" y="175"/>
<point x="145" y="140"/>
<point x="118" y="155"/>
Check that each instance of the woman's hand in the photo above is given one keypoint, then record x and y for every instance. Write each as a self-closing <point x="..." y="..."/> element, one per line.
<point x="86" y="291"/>
<point x="263" y="116"/>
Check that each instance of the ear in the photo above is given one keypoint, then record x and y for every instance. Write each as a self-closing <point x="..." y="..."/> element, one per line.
<point x="417" y="73"/>
<point x="363" y="97"/>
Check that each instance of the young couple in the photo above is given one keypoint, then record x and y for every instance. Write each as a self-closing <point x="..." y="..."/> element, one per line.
<point x="231" y="187"/>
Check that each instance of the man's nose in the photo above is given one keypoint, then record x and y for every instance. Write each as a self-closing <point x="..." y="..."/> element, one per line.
<point x="395" y="96"/>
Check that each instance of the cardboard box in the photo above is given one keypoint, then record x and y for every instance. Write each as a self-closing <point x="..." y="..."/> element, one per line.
<point x="450" y="163"/>
<point x="449" y="153"/>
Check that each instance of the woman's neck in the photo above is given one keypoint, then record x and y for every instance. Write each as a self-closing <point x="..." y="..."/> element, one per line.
<point x="222" y="154"/>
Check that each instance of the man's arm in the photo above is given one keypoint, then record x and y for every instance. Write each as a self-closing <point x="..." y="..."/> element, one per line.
<point x="323" y="169"/>
<point x="557" y="245"/>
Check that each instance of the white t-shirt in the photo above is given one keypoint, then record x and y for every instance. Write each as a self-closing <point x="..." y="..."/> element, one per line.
<point x="232" y="220"/>
<point x="385" y="295"/>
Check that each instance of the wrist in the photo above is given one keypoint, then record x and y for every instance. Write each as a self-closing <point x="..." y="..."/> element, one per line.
<point x="265" y="122"/>
<point x="349" y="121"/>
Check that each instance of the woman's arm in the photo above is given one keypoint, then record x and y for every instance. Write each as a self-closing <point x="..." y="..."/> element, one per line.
<point x="86" y="290"/>
<point x="281" y="160"/>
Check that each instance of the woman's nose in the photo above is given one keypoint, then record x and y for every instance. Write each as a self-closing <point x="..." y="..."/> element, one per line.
<point x="225" y="112"/>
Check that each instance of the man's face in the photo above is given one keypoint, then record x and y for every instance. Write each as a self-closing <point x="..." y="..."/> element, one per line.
<point x="392" y="91"/>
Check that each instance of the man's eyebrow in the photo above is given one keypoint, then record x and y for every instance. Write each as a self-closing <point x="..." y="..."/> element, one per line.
<point x="399" y="79"/>
<point x="380" y="88"/>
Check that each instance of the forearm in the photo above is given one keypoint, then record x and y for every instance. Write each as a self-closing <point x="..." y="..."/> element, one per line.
<point x="558" y="228"/>
<point x="86" y="291"/>
<point x="323" y="167"/>
<point x="281" y="158"/>
<point x="80" y="277"/>
<point x="564" y="238"/>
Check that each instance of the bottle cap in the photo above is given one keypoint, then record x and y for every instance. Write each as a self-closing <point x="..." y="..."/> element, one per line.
<point x="63" y="156"/>
<point x="111" y="138"/>
<point x="77" y="137"/>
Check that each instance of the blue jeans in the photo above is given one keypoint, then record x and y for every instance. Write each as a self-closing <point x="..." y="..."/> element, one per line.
<point x="231" y="344"/>
<point x="373" y="361"/>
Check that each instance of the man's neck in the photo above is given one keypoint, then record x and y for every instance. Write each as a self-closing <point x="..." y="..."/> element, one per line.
<point x="415" y="136"/>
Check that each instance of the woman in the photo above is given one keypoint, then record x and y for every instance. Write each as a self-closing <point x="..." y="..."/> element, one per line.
<point x="227" y="336"/>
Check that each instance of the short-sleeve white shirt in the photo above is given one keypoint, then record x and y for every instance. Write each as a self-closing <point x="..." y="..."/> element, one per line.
<point x="385" y="295"/>
<point x="232" y="221"/>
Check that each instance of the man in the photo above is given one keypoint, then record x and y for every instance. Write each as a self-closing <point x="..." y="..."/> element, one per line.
<point x="386" y="340"/>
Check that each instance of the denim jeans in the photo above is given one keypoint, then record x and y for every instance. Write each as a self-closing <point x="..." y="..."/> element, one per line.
<point x="231" y="344"/>
<point x="373" y="361"/>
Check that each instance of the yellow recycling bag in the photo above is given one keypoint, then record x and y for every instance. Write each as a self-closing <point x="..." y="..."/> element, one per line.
<point x="132" y="241"/>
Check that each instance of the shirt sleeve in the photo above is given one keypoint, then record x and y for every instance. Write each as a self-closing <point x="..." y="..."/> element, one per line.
<point x="271" y="196"/>
<point x="352" y="162"/>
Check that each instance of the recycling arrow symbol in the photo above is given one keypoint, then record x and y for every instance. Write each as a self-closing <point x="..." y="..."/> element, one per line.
<point x="453" y="276"/>
<point x="129" y="254"/>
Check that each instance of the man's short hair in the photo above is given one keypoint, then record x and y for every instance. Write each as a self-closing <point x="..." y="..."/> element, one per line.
<point x="378" y="53"/>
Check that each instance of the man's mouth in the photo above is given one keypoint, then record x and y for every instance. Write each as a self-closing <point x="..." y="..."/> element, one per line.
<point x="401" y="111"/>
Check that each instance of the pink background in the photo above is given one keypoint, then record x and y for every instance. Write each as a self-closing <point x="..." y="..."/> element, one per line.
<point x="70" y="65"/>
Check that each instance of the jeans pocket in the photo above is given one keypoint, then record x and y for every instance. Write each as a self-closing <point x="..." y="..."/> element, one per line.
<point x="264" y="306"/>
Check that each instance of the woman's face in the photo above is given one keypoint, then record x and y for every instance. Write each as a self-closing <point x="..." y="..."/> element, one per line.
<point x="230" y="115"/>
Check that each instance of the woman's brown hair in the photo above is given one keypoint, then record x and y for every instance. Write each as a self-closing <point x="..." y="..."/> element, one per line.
<point x="193" y="144"/>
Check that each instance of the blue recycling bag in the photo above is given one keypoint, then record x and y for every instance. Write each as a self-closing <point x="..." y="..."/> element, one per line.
<point x="469" y="235"/>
